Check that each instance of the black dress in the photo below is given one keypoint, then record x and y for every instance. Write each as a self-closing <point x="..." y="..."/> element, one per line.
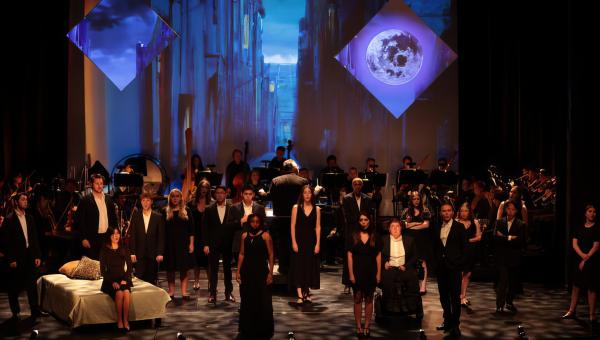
<point x="177" y="241"/>
<point x="472" y="247"/>
<point x="304" y="265"/>
<point x="589" y="276"/>
<point x="364" y="264"/>
<point x="201" y="259"/>
<point x="115" y="266"/>
<point x="256" y="307"/>
<point x="421" y="236"/>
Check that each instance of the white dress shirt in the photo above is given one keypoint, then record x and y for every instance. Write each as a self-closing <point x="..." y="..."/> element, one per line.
<point x="247" y="208"/>
<point x="23" y="222"/>
<point x="221" y="211"/>
<point x="358" y="201"/>
<point x="103" y="214"/>
<point x="444" y="231"/>
<point x="397" y="253"/>
<point x="146" y="220"/>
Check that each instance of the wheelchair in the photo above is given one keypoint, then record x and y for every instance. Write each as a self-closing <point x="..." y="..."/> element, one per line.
<point x="398" y="301"/>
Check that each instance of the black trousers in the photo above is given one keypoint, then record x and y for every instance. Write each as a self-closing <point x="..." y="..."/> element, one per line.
<point x="95" y="243"/>
<point x="23" y="277"/>
<point x="213" y="262"/>
<point x="508" y="281"/>
<point x="282" y="243"/>
<point x="449" y="284"/>
<point x="395" y="282"/>
<point x="146" y="269"/>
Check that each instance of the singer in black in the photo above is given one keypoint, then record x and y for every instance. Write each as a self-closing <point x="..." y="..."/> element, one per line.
<point x="116" y="269"/>
<point x="450" y="247"/>
<point x="255" y="275"/>
<point x="95" y="214"/>
<point x="147" y="242"/>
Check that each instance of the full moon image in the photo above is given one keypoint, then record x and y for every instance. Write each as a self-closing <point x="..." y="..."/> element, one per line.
<point x="394" y="57"/>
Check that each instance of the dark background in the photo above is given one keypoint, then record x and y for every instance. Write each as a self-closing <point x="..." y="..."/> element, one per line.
<point x="524" y="99"/>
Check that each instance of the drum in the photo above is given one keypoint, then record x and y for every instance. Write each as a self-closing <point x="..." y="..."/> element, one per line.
<point x="155" y="180"/>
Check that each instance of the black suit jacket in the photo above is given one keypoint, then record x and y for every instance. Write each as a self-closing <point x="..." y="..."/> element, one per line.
<point x="147" y="244"/>
<point x="351" y="211"/>
<point x="237" y="211"/>
<point x="215" y="232"/>
<point x="15" y="246"/>
<point x="410" y="252"/>
<point x="285" y="190"/>
<point x="88" y="216"/>
<point x="509" y="252"/>
<point x="452" y="256"/>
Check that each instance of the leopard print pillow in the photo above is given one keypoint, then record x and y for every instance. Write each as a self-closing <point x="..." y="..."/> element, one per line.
<point x="87" y="269"/>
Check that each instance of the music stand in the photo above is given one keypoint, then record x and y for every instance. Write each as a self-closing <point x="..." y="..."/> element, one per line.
<point x="333" y="179"/>
<point x="447" y="178"/>
<point x="214" y="178"/>
<point x="413" y="177"/>
<point x="129" y="180"/>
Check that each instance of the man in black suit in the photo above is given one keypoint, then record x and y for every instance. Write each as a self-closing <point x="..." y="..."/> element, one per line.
<point x="509" y="239"/>
<point x="147" y="242"/>
<point x="23" y="255"/>
<point x="450" y="245"/>
<point x="240" y="213"/>
<point x="96" y="213"/>
<point x="218" y="230"/>
<point x="352" y="205"/>
<point x="399" y="258"/>
<point x="284" y="192"/>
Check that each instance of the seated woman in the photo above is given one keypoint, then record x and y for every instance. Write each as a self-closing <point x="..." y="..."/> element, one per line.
<point x="116" y="268"/>
<point x="399" y="258"/>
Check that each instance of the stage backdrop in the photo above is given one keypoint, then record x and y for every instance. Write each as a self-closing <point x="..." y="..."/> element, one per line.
<point x="266" y="72"/>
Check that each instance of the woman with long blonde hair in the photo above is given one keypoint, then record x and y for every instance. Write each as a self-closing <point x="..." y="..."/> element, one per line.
<point x="179" y="242"/>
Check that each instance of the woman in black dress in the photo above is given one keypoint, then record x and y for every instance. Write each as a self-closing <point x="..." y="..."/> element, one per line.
<point x="116" y="269"/>
<point x="586" y="268"/>
<point x="473" y="233"/>
<point x="202" y="199"/>
<point x="417" y="226"/>
<point x="364" y="269"/>
<point x="179" y="242"/>
<point x="255" y="275"/>
<point x="306" y="236"/>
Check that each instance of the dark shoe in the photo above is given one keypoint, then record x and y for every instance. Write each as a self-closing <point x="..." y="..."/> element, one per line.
<point x="499" y="310"/>
<point x="367" y="333"/>
<point x="511" y="307"/>
<point x="172" y="297"/>
<point x="212" y="299"/>
<point x="455" y="332"/>
<point x="423" y="292"/>
<point x="569" y="315"/>
<point x="38" y="313"/>
<point x="442" y="327"/>
<point x="186" y="298"/>
<point x="196" y="285"/>
<point x="359" y="333"/>
<point x="229" y="297"/>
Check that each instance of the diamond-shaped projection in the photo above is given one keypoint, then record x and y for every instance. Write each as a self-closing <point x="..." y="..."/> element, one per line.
<point x="396" y="56"/>
<point x="121" y="37"/>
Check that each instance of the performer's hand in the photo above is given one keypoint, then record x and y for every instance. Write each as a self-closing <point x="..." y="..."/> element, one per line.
<point x="386" y="265"/>
<point x="378" y="277"/>
<point x="238" y="279"/>
<point x="262" y="192"/>
<point x="1" y="220"/>
<point x="499" y="234"/>
<point x="402" y="268"/>
<point x="116" y="285"/>
<point x="206" y="250"/>
<point x="13" y="264"/>
<point x="85" y="243"/>
<point x="133" y="259"/>
<point x="586" y="257"/>
<point x="159" y="258"/>
<point x="244" y="219"/>
<point x="295" y="247"/>
<point x="123" y="282"/>
<point x="352" y="279"/>
<point x="317" y="249"/>
<point x="269" y="279"/>
<point x="37" y="262"/>
<point x="191" y="248"/>
<point x="581" y="264"/>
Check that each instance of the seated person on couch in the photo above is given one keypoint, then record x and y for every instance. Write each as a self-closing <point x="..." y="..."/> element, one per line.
<point x="116" y="269"/>
<point x="399" y="259"/>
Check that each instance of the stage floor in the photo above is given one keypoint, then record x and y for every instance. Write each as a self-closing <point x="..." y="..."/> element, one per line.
<point x="329" y="317"/>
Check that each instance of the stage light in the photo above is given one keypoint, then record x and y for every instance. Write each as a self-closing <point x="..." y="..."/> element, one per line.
<point x="34" y="334"/>
<point x="522" y="334"/>
<point x="291" y="335"/>
<point x="180" y="336"/>
<point x="422" y="335"/>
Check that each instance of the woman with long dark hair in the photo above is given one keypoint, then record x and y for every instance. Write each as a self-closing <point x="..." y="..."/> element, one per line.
<point x="586" y="241"/>
<point x="179" y="242"/>
<point x="417" y="218"/>
<point x="116" y="269"/>
<point x="306" y="236"/>
<point x="255" y="275"/>
<point x="202" y="199"/>
<point x="364" y="270"/>
<point x="473" y="233"/>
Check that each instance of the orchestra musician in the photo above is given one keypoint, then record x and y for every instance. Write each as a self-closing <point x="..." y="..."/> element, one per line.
<point x="277" y="161"/>
<point x="236" y="168"/>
